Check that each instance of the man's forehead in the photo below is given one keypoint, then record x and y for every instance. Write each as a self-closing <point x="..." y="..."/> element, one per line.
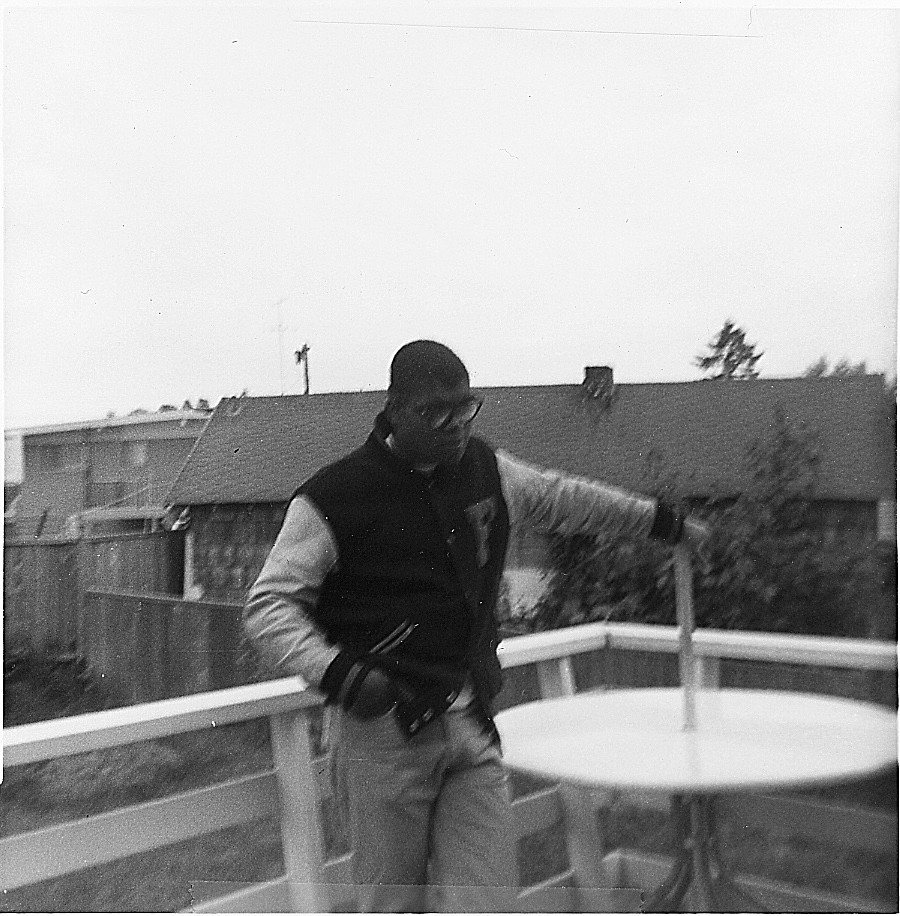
<point x="432" y="391"/>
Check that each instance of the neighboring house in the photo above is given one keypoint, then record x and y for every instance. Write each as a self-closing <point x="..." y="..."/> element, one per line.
<point x="12" y="474"/>
<point x="101" y="476"/>
<point x="255" y="452"/>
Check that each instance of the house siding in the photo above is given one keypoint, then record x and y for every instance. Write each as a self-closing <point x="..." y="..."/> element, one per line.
<point x="229" y="544"/>
<point x="689" y="438"/>
<point x="67" y="471"/>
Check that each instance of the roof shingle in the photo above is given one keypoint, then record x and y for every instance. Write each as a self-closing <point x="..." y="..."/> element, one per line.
<point x="260" y="449"/>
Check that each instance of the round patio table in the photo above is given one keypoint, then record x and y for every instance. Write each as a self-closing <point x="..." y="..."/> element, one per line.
<point x="740" y="740"/>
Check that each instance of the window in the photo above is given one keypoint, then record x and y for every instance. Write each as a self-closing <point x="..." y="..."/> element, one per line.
<point x="59" y="456"/>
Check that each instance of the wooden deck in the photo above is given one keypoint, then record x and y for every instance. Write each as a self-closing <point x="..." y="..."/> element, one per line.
<point x="555" y="663"/>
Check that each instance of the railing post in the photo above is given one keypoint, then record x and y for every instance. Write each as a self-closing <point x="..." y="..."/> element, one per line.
<point x="301" y="833"/>
<point x="584" y="838"/>
<point x="556" y="677"/>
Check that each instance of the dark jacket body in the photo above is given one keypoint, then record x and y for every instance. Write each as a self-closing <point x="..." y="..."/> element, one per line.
<point x="379" y="564"/>
<point x="419" y="564"/>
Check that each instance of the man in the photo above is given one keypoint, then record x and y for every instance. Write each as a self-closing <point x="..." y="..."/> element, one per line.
<point x="380" y="591"/>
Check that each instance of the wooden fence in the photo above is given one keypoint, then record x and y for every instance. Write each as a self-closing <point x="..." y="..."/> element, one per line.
<point x="41" y="594"/>
<point x="291" y="791"/>
<point x="44" y="581"/>
<point x="151" y="562"/>
<point x="151" y="647"/>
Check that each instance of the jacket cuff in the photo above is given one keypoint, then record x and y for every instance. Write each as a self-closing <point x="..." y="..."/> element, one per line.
<point x="343" y="679"/>
<point x="667" y="524"/>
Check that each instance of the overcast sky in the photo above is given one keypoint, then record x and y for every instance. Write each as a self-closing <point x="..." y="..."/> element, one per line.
<point x="192" y="194"/>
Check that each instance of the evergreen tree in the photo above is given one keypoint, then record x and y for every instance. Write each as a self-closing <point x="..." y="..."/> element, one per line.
<point x="843" y="368"/>
<point x="730" y="356"/>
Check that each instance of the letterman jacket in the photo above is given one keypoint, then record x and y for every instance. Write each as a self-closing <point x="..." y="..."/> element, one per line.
<point x="377" y="564"/>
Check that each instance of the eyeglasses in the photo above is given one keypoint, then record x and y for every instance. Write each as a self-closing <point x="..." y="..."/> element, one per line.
<point x="440" y="416"/>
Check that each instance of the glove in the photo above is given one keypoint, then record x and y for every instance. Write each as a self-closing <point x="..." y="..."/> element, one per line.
<point x="375" y="695"/>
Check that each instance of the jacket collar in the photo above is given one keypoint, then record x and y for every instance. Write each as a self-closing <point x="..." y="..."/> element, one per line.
<point x="378" y="441"/>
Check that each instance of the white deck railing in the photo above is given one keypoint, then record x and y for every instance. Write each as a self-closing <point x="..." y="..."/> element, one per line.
<point x="292" y="789"/>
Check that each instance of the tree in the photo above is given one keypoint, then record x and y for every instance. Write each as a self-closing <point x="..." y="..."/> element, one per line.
<point x="843" y="368"/>
<point x="776" y="567"/>
<point x="730" y="356"/>
<point x="773" y="567"/>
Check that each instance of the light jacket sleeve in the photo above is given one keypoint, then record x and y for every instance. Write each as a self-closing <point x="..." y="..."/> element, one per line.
<point x="558" y="503"/>
<point x="278" y="616"/>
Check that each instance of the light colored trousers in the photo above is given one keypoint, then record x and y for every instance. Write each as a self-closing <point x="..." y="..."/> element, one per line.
<point x="430" y="817"/>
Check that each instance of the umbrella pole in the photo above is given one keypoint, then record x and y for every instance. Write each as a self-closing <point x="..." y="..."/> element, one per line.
<point x="684" y="609"/>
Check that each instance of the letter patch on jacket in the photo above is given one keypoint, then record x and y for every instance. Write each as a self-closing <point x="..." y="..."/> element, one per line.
<point x="480" y="516"/>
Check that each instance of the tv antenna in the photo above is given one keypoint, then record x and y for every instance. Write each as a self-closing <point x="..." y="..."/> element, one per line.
<point x="302" y="356"/>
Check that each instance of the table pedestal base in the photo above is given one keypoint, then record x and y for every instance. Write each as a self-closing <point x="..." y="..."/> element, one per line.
<point x="697" y="866"/>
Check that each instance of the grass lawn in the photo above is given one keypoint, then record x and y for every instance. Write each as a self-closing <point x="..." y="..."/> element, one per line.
<point x="168" y="879"/>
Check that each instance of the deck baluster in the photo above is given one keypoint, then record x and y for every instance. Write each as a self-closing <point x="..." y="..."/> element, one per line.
<point x="293" y="753"/>
<point x="584" y="838"/>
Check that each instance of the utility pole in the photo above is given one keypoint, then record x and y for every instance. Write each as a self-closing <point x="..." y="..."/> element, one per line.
<point x="302" y="356"/>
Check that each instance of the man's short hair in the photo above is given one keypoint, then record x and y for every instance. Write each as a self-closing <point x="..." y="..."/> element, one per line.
<point x="422" y="361"/>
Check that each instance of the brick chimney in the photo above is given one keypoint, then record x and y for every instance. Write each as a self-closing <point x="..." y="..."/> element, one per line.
<point x="598" y="384"/>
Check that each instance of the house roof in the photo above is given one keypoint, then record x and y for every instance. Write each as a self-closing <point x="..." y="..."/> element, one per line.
<point x="164" y="416"/>
<point x="121" y="513"/>
<point x="260" y="449"/>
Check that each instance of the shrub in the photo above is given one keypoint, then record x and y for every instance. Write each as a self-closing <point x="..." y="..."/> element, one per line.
<point x="43" y="685"/>
<point x="772" y="567"/>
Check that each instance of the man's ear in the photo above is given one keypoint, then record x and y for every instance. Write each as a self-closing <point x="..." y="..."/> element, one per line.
<point x="391" y="406"/>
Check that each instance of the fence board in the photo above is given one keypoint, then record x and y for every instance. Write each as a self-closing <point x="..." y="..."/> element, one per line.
<point x="14" y="626"/>
<point x="132" y="562"/>
<point x="224" y="641"/>
<point x="44" y="581"/>
<point x="38" y="575"/>
<point x="189" y="633"/>
<point x="866" y="684"/>
<point x="41" y="595"/>
<point x="853" y="827"/>
<point x="151" y="647"/>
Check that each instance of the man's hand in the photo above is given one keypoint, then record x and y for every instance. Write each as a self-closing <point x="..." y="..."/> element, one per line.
<point x="377" y="695"/>
<point x="696" y="535"/>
